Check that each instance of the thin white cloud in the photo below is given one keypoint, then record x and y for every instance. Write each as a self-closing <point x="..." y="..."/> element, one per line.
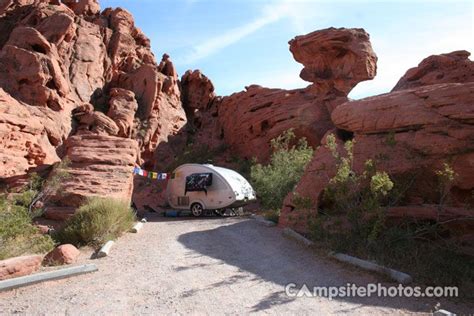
<point x="269" y="14"/>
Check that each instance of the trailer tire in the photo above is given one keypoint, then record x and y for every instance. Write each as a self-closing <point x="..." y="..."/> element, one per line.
<point x="197" y="210"/>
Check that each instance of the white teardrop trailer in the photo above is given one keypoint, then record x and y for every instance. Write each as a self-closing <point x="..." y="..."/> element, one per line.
<point x="200" y="188"/>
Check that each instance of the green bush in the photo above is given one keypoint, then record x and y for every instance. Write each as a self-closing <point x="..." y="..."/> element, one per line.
<point x="351" y="219"/>
<point x="18" y="236"/>
<point x="96" y="222"/>
<point x="274" y="181"/>
<point x="359" y="195"/>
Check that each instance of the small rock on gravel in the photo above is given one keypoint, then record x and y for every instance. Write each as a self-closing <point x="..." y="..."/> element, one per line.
<point x="63" y="254"/>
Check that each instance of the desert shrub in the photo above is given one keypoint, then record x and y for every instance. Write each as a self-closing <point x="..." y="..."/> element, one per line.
<point x="359" y="195"/>
<point x="18" y="236"/>
<point x="403" y="247"/>
<point x="352" y="219"/>
<point x="274" y="181"/>
<point x="97" y="221"/>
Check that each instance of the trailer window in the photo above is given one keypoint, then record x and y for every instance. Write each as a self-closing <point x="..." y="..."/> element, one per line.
<point x="198" y="182"/>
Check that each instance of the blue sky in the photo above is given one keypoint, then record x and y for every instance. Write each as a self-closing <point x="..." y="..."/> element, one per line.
<point x="237" y="43"/>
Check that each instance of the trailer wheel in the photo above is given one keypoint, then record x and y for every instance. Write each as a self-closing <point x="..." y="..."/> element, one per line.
<point x="197" y="209"/>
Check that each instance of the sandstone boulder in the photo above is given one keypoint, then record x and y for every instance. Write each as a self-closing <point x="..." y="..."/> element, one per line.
<point x="24" y="139"/>
<point x="19" y="266"/>
<point x="83" y="7"/>
<point x="63" y="254"/>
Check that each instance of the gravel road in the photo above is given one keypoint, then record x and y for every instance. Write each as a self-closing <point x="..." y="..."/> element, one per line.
<point x="205" y="266"/>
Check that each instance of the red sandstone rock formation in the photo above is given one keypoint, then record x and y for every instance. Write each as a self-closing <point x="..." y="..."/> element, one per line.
<point x="100" y="165"/>
<point x="444" y="68"/>
<point x="63" y="254"/>
<point x="197" y="91"/>
<point x="67" y="69"/>
<point x="251" y="119"/>
<point x="122" y="109"/>
<point x="19" y="266"/>
<point x="200" y="103"/>
<point x="81" y="84"/>
<point x="27" y="137"/>
<point x="409" y="133"/>
<point x="335" y="60"/>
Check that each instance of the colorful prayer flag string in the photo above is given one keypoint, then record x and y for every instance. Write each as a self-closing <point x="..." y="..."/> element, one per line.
<point x="150" y="174"/>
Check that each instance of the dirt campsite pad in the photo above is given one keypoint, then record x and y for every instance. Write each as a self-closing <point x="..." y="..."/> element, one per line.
<point x="206" y="266"/>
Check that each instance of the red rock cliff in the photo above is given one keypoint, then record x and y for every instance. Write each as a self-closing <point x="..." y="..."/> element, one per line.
<point x="82" y="84"/>
<point x="425" y="121"/>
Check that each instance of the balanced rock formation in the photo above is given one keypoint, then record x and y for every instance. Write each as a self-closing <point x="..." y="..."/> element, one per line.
<point x="334" y="60"/>
<point x="84" y="84"/>
<point x="409" y="133"/>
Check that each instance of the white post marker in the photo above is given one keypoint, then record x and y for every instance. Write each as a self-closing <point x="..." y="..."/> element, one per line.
<point x="442" y="312"/>
<point x="46" y="276"/>
<point x="136" y="228"/>
<point x="104" y="251"/>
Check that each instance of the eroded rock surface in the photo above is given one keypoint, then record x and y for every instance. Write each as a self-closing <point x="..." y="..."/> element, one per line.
<point x="410" y="134"/>
<point x="100" y="165"/>
<point x="445" y="68"/>
<point x="334" y="60"/>
<point x="19" y="266"/>
<point x="67" y="69"/>
<point x="62" y="254"/>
